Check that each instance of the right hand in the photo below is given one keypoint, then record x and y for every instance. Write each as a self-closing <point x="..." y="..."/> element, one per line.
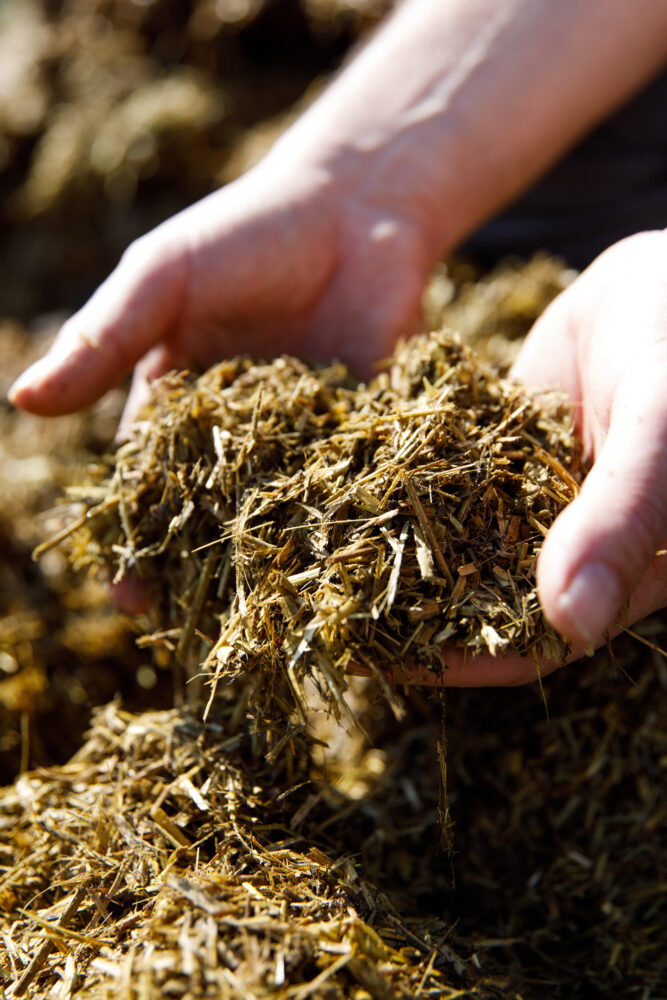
<point x="282" y="260"/>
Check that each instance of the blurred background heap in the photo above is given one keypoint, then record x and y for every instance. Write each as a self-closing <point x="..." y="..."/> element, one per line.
<point x="114" y="114"/>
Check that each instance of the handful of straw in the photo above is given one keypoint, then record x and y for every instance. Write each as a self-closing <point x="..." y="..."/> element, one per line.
<point x="292" y="522"/>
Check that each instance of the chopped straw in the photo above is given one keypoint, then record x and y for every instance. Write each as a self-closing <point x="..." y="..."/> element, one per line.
<point x="290" y="522"/>
<point x="176" y="856"/>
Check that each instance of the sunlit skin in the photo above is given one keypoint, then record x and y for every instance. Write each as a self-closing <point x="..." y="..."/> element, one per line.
<point x="323" y="250"/>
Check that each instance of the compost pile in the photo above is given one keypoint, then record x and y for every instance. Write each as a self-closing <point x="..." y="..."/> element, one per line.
<point x="290" y="523"/>
<point x="493" y="311"/>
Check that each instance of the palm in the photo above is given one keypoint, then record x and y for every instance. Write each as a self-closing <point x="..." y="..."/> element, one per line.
<point x="340" y="282"/>
<point x="269" y="266"/>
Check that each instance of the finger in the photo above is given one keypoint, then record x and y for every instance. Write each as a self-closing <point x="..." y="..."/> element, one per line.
<point x="134" y="308"/>
<point x="131" y="594"/>
<point x="157" y="362"/>
<point x="549" y="357"/>
<point x="603" y="543"/>
<point x="465" y="670"/>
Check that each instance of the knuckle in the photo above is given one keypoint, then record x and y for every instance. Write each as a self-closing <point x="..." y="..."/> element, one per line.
<point x="648" y="522"/>
<point x="635" y="546"/>
<point x="139" y="256"/>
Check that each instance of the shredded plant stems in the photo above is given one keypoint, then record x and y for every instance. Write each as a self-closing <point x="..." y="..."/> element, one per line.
<point x="246" y="843"/>
<point x="290" y="522"/>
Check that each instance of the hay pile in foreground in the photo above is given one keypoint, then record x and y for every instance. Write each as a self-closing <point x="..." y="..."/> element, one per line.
<point x="169" y="858"/>
<point x="290" y="522"/>
<point x="560" y="863"/>
<point x="166" y="859"/>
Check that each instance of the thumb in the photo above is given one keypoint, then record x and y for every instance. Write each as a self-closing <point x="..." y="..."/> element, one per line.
<point x="132" y="310"/>
<point x="159" y="360"/>
<point x="601" y="546"/>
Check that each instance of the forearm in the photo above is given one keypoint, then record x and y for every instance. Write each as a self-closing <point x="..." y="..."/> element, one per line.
<point x="456" y="106"/>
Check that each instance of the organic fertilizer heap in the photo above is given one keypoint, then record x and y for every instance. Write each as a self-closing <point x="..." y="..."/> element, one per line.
<point x="290" y="522"/>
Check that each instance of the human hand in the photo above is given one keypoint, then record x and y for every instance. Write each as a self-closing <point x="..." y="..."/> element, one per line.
<point x="604" y="342"/>
<point x="326" y="256"/>
<point x="283" y="260"/>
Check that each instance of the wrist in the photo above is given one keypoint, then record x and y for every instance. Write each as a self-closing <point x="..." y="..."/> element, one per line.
<point x="388" y="167"/>
<point x="404" y="126"/>
<point x="456" y="106"/>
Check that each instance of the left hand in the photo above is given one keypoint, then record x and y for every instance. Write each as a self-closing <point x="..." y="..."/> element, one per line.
<point x="603" y="341"/>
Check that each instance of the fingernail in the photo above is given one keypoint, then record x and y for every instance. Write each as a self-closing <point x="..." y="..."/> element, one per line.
<point x="592" y="600"/>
